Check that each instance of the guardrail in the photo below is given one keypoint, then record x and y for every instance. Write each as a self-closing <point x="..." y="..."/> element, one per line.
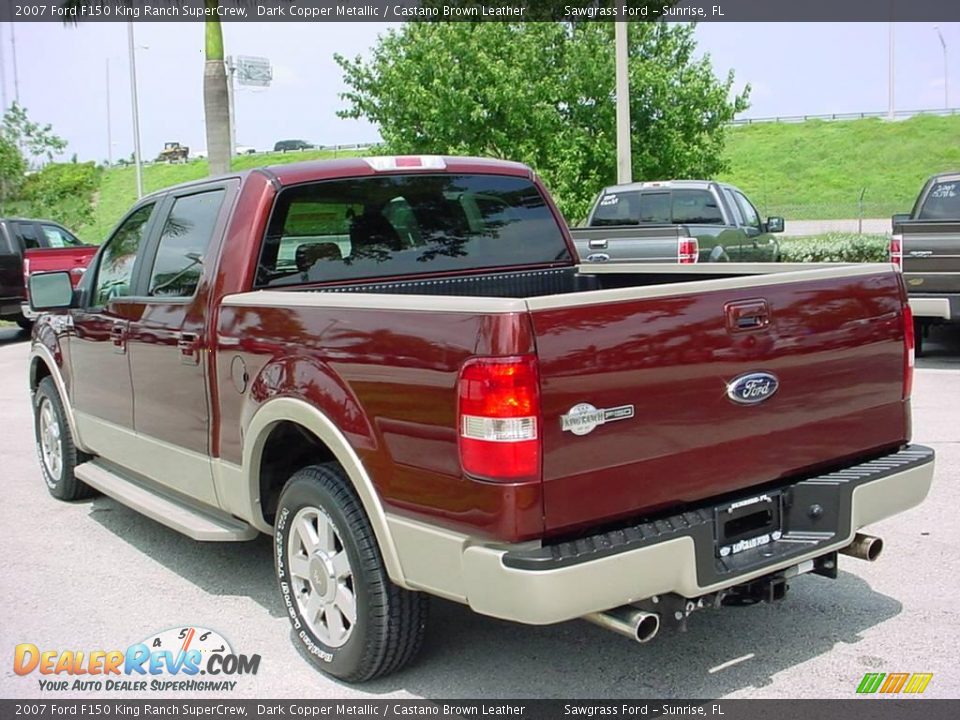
<point x="898" y="115"/>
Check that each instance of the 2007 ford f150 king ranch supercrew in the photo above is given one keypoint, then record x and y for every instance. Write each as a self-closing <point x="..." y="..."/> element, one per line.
<point x="396" y="368"/>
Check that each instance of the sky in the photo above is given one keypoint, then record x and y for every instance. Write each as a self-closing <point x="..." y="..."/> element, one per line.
<point x="793" y="69"/>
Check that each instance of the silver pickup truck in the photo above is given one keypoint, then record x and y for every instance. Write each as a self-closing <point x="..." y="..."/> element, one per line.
<point x="676" y="221"/>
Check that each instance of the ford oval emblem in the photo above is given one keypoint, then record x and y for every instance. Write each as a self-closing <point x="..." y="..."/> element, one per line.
<point x="752" y="388"/>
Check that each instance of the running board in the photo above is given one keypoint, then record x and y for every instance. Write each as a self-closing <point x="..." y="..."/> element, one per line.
<point x="163" y="508"/>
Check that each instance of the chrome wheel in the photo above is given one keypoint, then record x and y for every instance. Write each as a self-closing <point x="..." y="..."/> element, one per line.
<point x="322" y="577"/>
<point x="51" y="447"/>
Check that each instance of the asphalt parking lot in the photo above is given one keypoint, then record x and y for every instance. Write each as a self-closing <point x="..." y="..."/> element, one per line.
<point x="95" y="575"/>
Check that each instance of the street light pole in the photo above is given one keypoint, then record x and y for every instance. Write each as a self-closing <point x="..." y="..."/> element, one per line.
<point x="109" y="128"/>
<point x="946" y="77"/>
<point x="624" y="160"/>
<point x="136" y="112"/>
<point x="890" y="78"/>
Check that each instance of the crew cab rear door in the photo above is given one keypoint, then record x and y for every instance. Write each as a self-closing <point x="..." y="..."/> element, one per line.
<point x="167" y="340"/>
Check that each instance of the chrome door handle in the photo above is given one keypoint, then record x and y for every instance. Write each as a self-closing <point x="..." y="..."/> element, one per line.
<point x="188" y="345"/>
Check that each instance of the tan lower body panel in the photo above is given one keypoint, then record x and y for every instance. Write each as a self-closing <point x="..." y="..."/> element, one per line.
<point x="449" y="565"/>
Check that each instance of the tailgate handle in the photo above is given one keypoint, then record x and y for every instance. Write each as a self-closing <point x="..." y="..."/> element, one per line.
<point x="597" y="244"/>
<point x="747" y="315"/>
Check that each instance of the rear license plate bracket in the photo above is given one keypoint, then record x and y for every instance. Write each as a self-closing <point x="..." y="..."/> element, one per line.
<point x="747" y="524"/>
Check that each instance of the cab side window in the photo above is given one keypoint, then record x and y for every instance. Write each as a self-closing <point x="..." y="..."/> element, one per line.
<point x="58" y="237"/>
<point x="751" y="218"/>
<point x="183" y="245"/>
<point x="28" y="232"/>
<point x="116" y="264"/>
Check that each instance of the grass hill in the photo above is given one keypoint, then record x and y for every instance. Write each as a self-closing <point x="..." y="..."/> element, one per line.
<point x="810" y="170"/>
<point x="817" y="169"/>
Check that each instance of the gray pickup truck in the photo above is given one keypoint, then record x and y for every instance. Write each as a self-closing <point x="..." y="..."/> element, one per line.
<point x="654" y="222"/>
<point x="926" y="245"/>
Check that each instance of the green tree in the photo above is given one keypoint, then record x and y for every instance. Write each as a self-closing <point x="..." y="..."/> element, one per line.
<point x="543" y="93"/>
<point x="12" y="169"/>
<point x="36" y="140"/>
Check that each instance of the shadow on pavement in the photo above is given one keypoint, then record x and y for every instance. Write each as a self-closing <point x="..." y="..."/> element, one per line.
<point x="941" y="348"/>
<point x="227" y="569"/>
<point x="12" y="334"/>
<point x="471" y="656"/>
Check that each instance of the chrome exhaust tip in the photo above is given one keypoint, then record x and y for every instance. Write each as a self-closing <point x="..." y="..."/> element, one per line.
<point x="864" y="547"/>
<point x="638" y="625"/>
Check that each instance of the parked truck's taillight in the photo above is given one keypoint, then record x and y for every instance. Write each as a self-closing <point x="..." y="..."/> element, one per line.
<point x="909" y="355"/>
<point x="26" y="274"/>
<point x="499" y="418"/>
<point x="896" y="251"/>
<point x="688" y="250"/>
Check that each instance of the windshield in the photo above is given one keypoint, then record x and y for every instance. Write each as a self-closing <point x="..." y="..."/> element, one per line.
<point x="396" y="225"/>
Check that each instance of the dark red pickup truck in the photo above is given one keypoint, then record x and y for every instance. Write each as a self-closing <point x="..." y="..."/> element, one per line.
<point x="396" y="367"/>
<point x="28" y="246"/>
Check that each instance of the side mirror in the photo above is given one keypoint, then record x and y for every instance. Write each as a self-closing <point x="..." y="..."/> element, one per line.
<point x="775" y="224"/>
<point x="51" y="291"/>
<point x="899" y="218"/>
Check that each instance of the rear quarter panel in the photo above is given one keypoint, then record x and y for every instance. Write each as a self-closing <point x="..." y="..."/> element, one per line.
<point x="387" y="378"/>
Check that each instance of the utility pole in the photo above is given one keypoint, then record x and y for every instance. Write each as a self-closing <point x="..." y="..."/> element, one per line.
<point x="3" y="79"/>
<point x="13" y="48"/>
<point x="109" y="129"/>
<point x="946" y="77"/>
<point x="136" y="112"/>
<point x="890" y="79"/>
<point x="624" y="160"/>
<point x="231" y="92"/>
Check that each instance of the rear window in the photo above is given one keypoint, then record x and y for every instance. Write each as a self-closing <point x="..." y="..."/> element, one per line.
<point x="697" y="207"/>
<point x="943" y="202"/>
<point x="397" y="225"/>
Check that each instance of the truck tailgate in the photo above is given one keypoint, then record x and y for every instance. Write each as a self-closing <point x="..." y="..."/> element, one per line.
<point x="931" y="256"/>
<point x="654" y="363"/>
<point x="72" y="259"/>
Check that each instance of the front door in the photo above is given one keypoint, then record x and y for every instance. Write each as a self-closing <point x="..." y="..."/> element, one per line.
<point x="101" y="391"/>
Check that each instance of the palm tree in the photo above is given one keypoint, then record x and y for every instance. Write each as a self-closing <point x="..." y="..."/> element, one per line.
<point x="216" y="100"/>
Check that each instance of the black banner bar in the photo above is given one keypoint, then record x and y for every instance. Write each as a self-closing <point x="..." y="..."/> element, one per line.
<point x="481" y="10"/>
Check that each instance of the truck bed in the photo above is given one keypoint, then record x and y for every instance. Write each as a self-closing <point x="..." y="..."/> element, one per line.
<point x="661" y="339"/>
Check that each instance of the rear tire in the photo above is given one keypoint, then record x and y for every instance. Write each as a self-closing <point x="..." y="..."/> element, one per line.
<point x="24" y="323"/>
<point x="55" y="449"/>
<point x="347" y="615"/>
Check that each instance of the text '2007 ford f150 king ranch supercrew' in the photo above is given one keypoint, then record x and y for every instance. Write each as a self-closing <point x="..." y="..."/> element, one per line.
<point x="396" y="368"/>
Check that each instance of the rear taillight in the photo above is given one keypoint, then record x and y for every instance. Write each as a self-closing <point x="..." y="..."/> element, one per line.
<point x="499" y="417"/>
<point x="896" y="251"/>
<point x="26" y="277"/>
<point x="909" y="345"/>
<point x="688" y="250"/>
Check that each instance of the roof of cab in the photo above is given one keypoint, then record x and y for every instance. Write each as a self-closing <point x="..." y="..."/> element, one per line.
<point x="316" y="170"/>
<point x="301" y="172"/>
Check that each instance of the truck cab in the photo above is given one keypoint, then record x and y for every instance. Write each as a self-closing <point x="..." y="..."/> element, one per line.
<point x="725" y="223"/>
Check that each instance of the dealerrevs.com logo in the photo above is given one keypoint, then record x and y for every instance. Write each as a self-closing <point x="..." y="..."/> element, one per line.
<point x="179" y="659"/>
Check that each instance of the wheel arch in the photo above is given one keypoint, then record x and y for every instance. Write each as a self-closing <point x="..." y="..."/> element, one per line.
<point x="44" y="364"/>
<point x="286" y="414"/>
